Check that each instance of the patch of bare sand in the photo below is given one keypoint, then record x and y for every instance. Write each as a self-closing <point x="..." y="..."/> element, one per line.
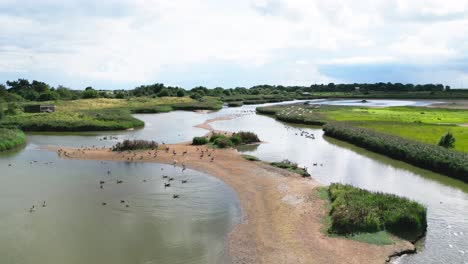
<point x="454" y="104"/>
<point x="282" y="218"/>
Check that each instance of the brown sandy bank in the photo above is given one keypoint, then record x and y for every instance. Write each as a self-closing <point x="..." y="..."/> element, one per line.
<point x="282" y="218"/>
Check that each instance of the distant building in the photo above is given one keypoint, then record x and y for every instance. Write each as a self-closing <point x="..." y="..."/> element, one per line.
<point x="305" y="93"/>
<point x="357" y="88"/>
<point x="39" y="108"/>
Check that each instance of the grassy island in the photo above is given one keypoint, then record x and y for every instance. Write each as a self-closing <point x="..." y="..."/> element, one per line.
<point x="365" y="215"/>
<point x="11" y="138"/>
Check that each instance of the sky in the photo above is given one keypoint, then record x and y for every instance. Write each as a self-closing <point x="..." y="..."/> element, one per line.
<point x="120" y="44"/>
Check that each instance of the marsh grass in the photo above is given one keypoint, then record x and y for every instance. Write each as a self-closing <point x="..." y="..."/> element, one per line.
<point x="291" y="166"/>
<point x="11" y="138"/>
<point x="355" y="211"/>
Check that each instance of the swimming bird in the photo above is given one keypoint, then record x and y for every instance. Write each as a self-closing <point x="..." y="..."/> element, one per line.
<point x="44" y="204"/>
<point x="119" y="181"/>
<point x="167" y="185"/>
<point x="32" y="209"/>
<point x="164" y="176"/>
<point x="102" y="182"/>
<point x="175" y="196"/>
<point x="103" y="203"/>
<point x="184" y="181"/>
<point x="171" y="178"/>
<point x="122" y="201"/>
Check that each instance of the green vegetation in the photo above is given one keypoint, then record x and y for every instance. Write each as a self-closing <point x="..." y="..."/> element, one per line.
<point x="85" y="120"/>
<point x="235" y="104"/>
<point x="376" y="238"/>
<point x="432" y="157"/>
<point x="134" y="145"/>
<point x="99" y="114"/>
<point x="224" y="141"/>
<point x="199" y="141"/>
<point x="250" y="157"/>
<point x="447" y="141"/>
<point x="417" y="123"/>
<point x="291" y="166"/>
<point x="11" y="138"/>
<point x="354" y="210"/>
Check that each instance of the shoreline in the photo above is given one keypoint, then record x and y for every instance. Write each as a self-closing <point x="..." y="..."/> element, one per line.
<point x="282" y="218"/>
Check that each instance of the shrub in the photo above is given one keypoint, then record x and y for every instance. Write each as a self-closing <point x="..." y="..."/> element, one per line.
<point x="447" y="141"/>
<point x="291" y="166"/>
<point x="438" y="159"/>
<point x="355" y="210"/>
<point x="235" y="104"/>
<point x="223" y="142"/>
<point x="236" y="140"/>
<point x="199" y="141"/>
<point x="247" y="137"/>
<point x="135" y="144"/>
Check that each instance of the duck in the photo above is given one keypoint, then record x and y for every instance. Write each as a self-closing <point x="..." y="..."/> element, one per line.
<point x="175" y="196"/>
<point x="44" y="204"/>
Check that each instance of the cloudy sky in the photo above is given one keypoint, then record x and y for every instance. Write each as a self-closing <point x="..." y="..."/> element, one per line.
<point x="115" y="44"/>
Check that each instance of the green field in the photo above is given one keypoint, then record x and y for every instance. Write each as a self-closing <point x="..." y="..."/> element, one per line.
<point x="418" y="123"/>
<point x="102" y="113"/>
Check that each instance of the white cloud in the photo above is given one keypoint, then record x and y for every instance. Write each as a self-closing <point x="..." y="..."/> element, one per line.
<point x="133" y="40"/>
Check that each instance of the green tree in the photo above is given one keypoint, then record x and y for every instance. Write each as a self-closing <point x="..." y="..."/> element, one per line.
<point x="49" y="96"/>
<point x="89" y="92"/>
<point x="447" y="141"/>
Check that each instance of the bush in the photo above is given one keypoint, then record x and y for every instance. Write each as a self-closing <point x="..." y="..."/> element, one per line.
<point x="438" y="159"/>
<point x="199" y="141"/>
<point x="223" y="142"/>
<point x="292" y="167"/>
<point x="134" y="145"/>
<point x="447" y="141"/>
<point x="247" y="137"/>
<point x="355" y="210"/>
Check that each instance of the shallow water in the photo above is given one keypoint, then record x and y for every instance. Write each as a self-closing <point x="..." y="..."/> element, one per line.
<point x="76" y="228"/>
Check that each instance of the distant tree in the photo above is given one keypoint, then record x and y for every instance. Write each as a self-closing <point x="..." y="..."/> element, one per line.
<point x="196" y="96"/>
<point x="49" y="96"/>
<point x="64" y="92"/>
<point x="89" y="92"/>
<point x="180" y="93"/>
<point x="40" y="87"/>
<point x="120" y="95"/>
<point x="1" y="113"/>
<point x="447" y="141"/>
<point x="163" y="92"/>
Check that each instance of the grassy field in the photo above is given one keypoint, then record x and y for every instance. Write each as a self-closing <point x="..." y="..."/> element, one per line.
<point x="11" y="138"/>
<point x="418" y="123"/>
<point x="103" y="113"/>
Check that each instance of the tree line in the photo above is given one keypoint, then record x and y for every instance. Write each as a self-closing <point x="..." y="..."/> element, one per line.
<point x="23" y="89"/>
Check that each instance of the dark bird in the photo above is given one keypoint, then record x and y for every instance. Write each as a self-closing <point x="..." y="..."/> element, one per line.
<point x="104" y="203"/>
<point x="164" y="176"/>
<point x="44" y="204"/>
<point x="122" y="201"/>
<point x="184" y="181"/>
<point x="171" y="179"/>
<point x="119" y="181"/>
<point x="175" y="196"/>
<point x="167" y="185"/>
<point x="102" y="182"/>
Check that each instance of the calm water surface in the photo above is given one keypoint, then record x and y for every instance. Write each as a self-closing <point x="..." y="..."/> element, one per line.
<point x="76" y="228"/>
